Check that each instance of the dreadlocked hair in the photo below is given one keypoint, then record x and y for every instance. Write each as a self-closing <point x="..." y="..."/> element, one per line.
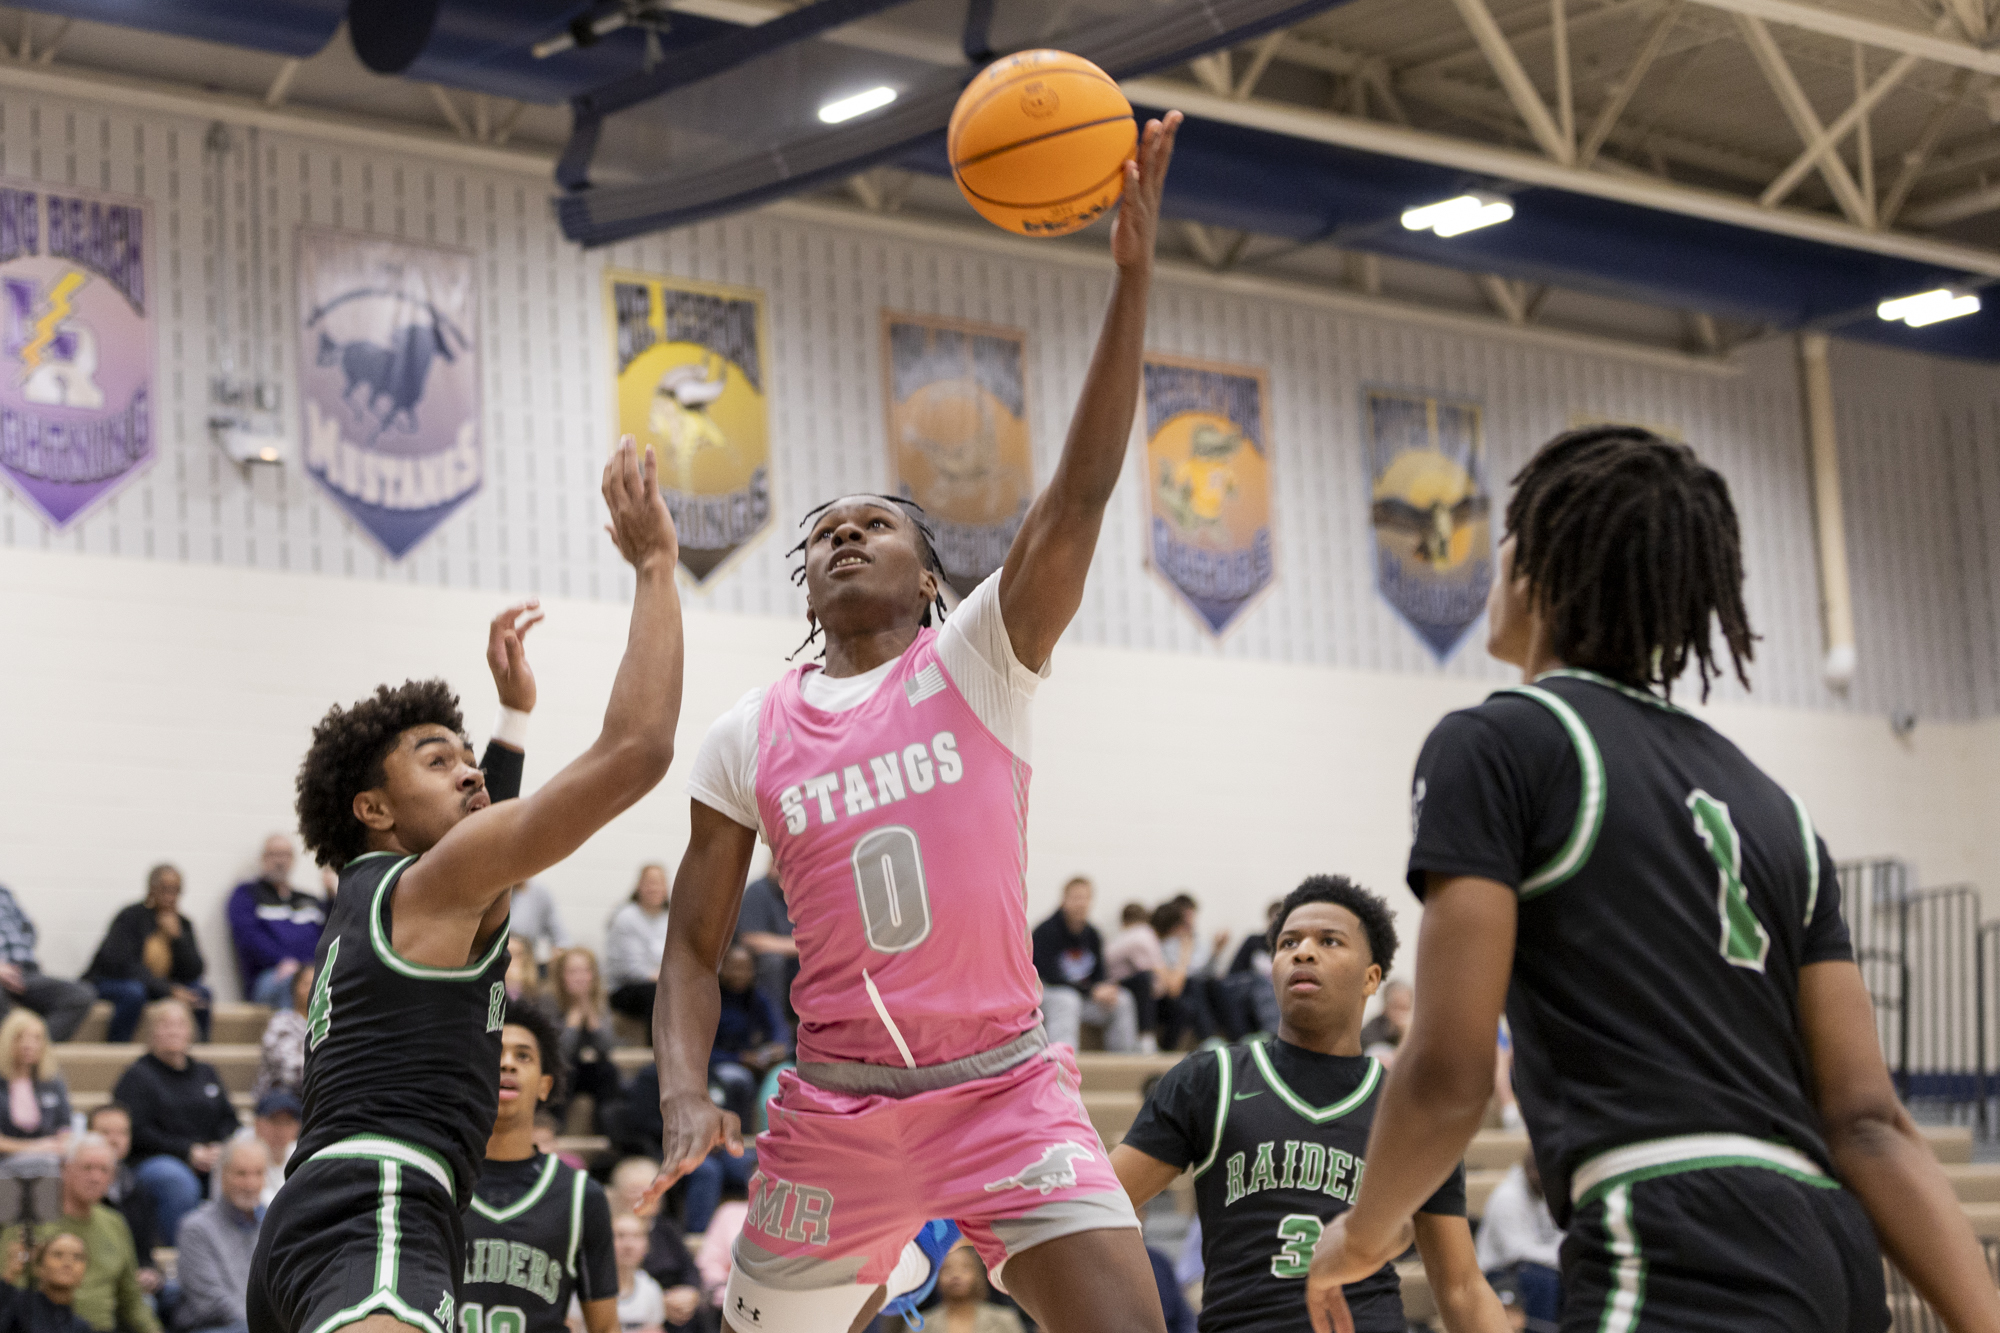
<point x="1630" y="544"/>
<point x="926" y="554"/>
<point x="345" y="759"/>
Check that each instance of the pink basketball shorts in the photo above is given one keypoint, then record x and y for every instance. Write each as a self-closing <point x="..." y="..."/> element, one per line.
<point x="844" y="1182"/>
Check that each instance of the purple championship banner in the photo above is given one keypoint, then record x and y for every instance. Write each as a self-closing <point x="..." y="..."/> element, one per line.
<point x="389" y="380"/>
<point x="76" y="391"/>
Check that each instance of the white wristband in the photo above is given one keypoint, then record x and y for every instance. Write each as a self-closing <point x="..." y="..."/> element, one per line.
<point x="512" y="728"/>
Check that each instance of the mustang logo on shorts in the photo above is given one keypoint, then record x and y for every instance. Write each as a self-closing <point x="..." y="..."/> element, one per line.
<point x="1056" y="1169"/>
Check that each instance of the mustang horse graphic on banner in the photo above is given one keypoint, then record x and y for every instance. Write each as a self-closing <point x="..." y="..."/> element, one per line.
<point x="1208" y="484"/>
<point x="691" y="383"/>
<point x="958" y="436"/>
<point x="389" y="381"/>
<point x="76" y="373"/>
<point x="1433" y="532"/>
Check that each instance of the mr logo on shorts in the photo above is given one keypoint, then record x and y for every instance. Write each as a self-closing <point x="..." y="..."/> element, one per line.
<point x="811" y="1210"/>
<point x="1055" y="1170"/>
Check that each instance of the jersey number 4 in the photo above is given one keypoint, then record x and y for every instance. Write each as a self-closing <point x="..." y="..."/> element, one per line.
<point x="889" y="876"/>
<point x="1745" y="942"/>
<point x="319" y="1012"/>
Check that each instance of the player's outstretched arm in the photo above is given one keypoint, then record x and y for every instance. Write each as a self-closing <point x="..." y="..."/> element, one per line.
<point x="1882" y="1157"/>
<point x="708" y="893"/>
<point x="1437" y="1092"/>
<point x="508" y="842"/>
<point x="1465" y="1299"/>
<point x="1041" y="585"/>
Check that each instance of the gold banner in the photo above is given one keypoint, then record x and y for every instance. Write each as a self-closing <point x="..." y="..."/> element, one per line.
<point x="1208" y="470"/>
<point x="691" y="367"/>
<point x="1431" y="512"/>
<point x="958" y="435"/>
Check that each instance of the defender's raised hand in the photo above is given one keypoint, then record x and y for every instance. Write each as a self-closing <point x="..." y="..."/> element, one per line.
<point x="507" y="654"/>
<point x="1138" y="222"/>
<point x="640" y="523"/>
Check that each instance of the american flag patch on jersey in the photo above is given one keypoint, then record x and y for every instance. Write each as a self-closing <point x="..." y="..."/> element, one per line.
<point x="924" y="684"/>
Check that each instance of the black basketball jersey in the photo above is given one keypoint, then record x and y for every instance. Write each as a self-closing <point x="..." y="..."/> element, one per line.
<point x="1275" y="1136"/>
<point x="1670" y="891"/>
<point x="394" y="1048"/>
<point x="538" y="1232"/>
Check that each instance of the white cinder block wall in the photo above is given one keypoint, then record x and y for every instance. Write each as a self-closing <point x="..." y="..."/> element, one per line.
<point x="161" y="662"/>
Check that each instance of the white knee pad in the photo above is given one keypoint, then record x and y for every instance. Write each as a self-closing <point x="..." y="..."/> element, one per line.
<point x="751" y="1306"/>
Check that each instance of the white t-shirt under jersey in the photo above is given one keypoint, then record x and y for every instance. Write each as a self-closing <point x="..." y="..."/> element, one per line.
<point x="977" y="655"/>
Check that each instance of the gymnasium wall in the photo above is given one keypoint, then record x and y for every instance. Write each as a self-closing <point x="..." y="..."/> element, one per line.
<point x="163" y="659"/>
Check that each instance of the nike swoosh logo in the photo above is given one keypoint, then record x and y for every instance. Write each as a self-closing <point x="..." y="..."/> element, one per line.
<point x="1246" y="1096"/>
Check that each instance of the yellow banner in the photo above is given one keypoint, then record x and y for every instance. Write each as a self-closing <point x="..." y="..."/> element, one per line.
<point x="1208" y="469"/>
<point x="691" y="381"/>
<point x="958" y="435"/>
<point x="1431" y="512"/>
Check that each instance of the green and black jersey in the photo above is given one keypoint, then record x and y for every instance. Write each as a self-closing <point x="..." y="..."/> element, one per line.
<point x="1670" y="891"/>
<point x="538" y="1232"/>
<point x="396" y="1049"/>
<point x="1275" y="1135"/>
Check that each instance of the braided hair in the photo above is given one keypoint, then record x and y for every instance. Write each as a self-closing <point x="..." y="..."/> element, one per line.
<point x="1630" y="545"/>
<point x="926" y="556"/>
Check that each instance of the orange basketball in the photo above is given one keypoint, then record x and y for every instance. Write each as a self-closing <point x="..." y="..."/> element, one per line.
<point x="1039" y="141"/>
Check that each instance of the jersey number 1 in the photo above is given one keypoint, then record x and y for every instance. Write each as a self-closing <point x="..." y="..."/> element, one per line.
<point x="491" y="1319"/>
<point x="889" y="876"/>
<point x="1745" y="942"/>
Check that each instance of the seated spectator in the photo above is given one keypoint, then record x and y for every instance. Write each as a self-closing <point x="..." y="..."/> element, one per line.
<point x="641" y="1304"/>
<point x="1197" y="958"/>
<point x="636" y="1129"/>
<point x="577" y="1000"/>
<point x="634" y="942"/>
<point x="181" y="1116"/>
<point x="532" y="917"/>
<point x="62" y="1004"/>
<point x="1249" y="1003"/>
<point x="149" y="953"/>
<point x="114" y="1123"/>
<point x="662" y="1253"/>
<point x="1173" y="1301"/>
<point x="548" y="1130"/>
<point x="108" y="1295"/>
<point x="216" y="1242"/>
<point x="1133" y="960"/>
<point x="1382" y="1034"/>
<point x="34" y="1120"/>
<point x="718" y="1246"/>
<point x="961" y="1305"/>
<point x="1518" y="1236"/>
<point x="274" y="926"/>
<point x="61" y="1264"/>
<point x="1069" y="956"/>
<point x="524" y="979"/>
<point x="276" y="1127"/>
<point x="764" y="924"/>
<point x="1173" y="925"/>
<point x="281" y="1062"/>
<point x="751" y="1038"/>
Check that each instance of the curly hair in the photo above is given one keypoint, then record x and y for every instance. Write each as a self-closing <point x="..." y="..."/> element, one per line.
<point x="525" y="1013"/>
<point x="1631" y="544"/>
<point x="1368" y="908"/>
<point x="348" y="747"/>
<point x="927" y="557"/>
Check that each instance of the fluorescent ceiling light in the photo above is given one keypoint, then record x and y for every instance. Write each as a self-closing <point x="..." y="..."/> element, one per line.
<point x="1455" y="217"/>
<point x="860" y="104"/>
<point x="1929" y="307"/>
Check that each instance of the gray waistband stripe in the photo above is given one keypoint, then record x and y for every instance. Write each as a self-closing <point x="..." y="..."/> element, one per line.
<point x="864" y="1080"/>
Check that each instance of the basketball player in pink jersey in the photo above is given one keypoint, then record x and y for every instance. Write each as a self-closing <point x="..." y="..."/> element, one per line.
<point x="892" y="786"/>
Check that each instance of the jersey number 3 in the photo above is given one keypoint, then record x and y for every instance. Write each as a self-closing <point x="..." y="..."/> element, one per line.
<point x="889" y="876"/>
<point x="1745" y="942"/>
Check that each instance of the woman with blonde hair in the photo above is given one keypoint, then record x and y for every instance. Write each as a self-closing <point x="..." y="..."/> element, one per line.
<point x="634" y="942"/>
<point x="35" y="1116"/>
<point x="576" y="1000"/>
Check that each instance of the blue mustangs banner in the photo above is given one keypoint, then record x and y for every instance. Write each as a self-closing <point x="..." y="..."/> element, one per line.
<point x="389" y="377"/>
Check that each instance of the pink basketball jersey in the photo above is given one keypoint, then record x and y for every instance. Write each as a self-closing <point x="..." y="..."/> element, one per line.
<point x="898" y="830"/>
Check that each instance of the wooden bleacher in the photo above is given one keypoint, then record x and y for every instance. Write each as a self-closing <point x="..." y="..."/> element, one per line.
<point x="1112" y="1094"/>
